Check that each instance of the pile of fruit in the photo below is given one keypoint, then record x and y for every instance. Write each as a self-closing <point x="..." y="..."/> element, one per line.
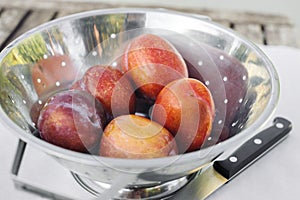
<point x="147" y="107"/>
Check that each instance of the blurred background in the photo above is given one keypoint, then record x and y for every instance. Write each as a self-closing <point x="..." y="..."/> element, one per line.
<point x="289" y="8"/>
<point x="265" y="22"/>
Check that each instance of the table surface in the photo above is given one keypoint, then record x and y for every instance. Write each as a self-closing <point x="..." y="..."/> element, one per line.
<point x="275" y="176"/>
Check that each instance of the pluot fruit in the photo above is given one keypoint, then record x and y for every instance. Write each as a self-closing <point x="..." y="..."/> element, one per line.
<point x="136" y="137"/>
<point x="52" y="74"/>
<point x="37" y="107"/>
<point x="110" y="87"/>
<point x="227" y="79"/>
<point x="73" y="120"/>
<point x="186" y="108"/>
<point x="152" y="62"/>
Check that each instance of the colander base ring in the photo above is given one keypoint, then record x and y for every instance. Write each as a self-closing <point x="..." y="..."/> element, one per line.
<point x="160" y="191"/>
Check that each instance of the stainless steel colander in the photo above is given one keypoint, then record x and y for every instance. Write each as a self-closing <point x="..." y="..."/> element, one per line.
<point x="250" y="87"/>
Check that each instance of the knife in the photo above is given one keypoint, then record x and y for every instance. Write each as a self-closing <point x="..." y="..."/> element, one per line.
<point x="212" y="177"/>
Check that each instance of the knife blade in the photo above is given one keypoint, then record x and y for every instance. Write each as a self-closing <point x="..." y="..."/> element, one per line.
<point x="220" y="172"/>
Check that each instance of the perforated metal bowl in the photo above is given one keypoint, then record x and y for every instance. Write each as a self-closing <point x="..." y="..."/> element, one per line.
<point x="89" y="38"/>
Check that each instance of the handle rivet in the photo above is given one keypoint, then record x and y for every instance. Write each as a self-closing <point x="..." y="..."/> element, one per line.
<point x="233" y="159"/>
<point x="279" y="125"/>
<point x="257" y="141"/>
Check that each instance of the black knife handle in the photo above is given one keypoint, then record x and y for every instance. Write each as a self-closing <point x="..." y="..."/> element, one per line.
<point x="254" y="148"/>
